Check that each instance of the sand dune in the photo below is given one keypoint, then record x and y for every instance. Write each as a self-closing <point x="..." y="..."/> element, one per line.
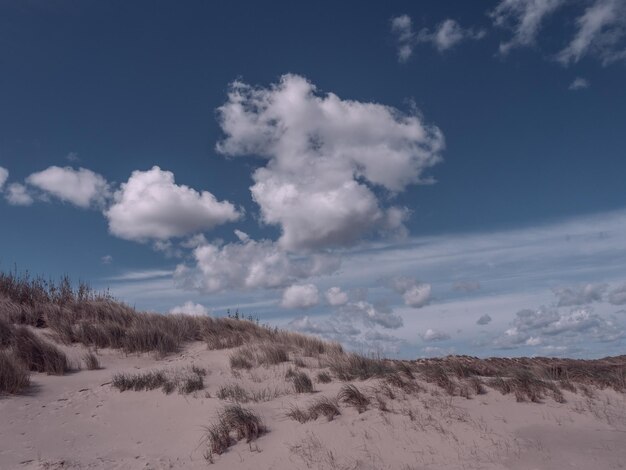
<point x="80" y="420"/>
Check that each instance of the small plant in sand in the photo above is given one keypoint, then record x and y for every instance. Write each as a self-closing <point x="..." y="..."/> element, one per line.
<point x="352" y="396"/>
<point x="233" y="424"/>
<point x="185" y="381"/>
<point x="91" y="361"/>
<point x="324" y="377"/>
<point x="302" y="382"/>
<point x="322" y="406"/>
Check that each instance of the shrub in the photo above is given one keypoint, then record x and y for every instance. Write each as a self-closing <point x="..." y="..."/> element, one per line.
<point x="39" y="355"/>
<point x="13" y="375"/>
<point x="91" y="361"/>
<point x="302" y="382"/>
<point x="352" y="396"/>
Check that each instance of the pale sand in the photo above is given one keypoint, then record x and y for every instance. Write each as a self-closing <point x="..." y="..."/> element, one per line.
<point x="80" y="421"/>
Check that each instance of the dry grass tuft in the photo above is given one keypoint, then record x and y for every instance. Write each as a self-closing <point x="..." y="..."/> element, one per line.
<point x="352" y="396"/>
<point x="91" y="361"/>
<point x="186" y="381"/>
<point x="348" y="366"/>
<point x="322" y="406"/>
<point x="234" y="423"/>
<point x="302" y="382"/>
<point x="38" y="355"/>
<point x="14" y="377"/>
<point x="324" y="377"/>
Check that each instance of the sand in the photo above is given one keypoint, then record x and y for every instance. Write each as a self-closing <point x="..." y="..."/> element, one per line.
<point x="80" y="421"/>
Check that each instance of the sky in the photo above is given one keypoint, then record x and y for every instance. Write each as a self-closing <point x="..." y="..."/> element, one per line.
<point x="411" y="178"/>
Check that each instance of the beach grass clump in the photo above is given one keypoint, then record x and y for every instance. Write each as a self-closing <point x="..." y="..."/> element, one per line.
<point x="14" y="377"/>
<point x="233" y="424"/>
<point x="352" y="396"/>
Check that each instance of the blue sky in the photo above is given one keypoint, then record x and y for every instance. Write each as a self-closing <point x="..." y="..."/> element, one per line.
<point x="419" y="178"/>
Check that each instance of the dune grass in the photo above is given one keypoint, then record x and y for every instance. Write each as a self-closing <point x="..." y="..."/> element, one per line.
<point x="233" y="424"/>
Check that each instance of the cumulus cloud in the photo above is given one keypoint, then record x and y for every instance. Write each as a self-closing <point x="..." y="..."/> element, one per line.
<point x="325" y="155"/>
<point x="190" y="308"/>
<point x="82" y="187"/>
<point x="4" y="175"/>
<point x="330" y="328"/>
<point x="579" y="295"/>
<point x="524" y="18"/>
<point x="17" y="194"/>
<point x="534" y="327"/>
<point x="431" y="335"/>
<point x="106" y="259"/>
<point x="150" y="205"/>
<point x="445" y="36"/>
<point x="484" y="320"/>
<point x="336" y="297"/>
<point x="617" y="296"/>
<point x="250" y="264"/>
<point x="415" y="294"/>
<point x="601" y="31"/>
<point x="300" y="296"/>
<point x="579" y="84"/>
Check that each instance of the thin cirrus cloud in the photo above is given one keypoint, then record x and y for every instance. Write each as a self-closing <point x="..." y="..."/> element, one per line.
<point x="325" y="155"/>
<point x="524" y="18"/>
<point x="443" y="37"/>
<point x="82" y="188"/>
<point x="151" y="206"/>
<point x="600" y="32"/>
<point x="579" y="84"/>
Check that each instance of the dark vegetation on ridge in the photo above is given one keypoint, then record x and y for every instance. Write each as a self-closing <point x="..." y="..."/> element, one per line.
<point x="34" y="313"/>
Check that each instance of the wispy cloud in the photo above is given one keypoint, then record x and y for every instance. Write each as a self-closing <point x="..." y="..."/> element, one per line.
<point x="446" y="35"/>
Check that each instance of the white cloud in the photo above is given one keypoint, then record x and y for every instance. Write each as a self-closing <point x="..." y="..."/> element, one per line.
<point x="601" y="30"/>
<point x="106" y="259"/>
<point x="431" y="335"/>
<point x="579" y="84"/>
<point x="336" y="297"/>
<point x="402" y="27"/>
<point x="4" y="175"/>
<point x="325" y="156"/>
<point x="484" y="320"/>
<point x="415" y="294"/>
<point x="579" y="295"/>
<point x="17" y="195"/>
<point x="524" y="18"/>
<point x="617" y="296"/>
<point x="300" y="296"/>
<point x="370" y="315"/>
<point x="150" y="205"/>
<point x="81" y="187"/>
<point x="190" y="308"/>
<point x="533" y="327"/>
<point x="251" y="264"/>
<point x="445" y="36"/>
